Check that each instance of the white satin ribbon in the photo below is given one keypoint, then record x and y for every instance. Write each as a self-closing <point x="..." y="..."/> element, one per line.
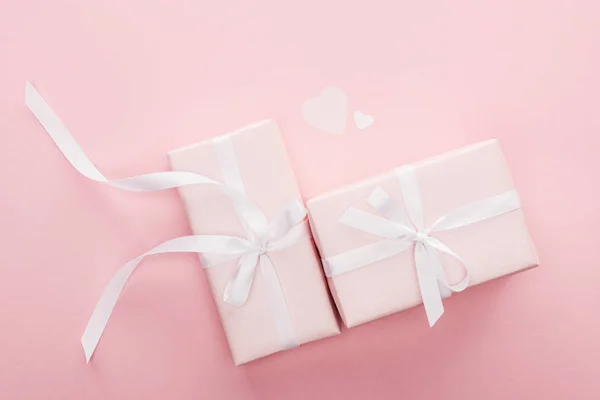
<point x="289" y="229"/>
<point x="400" y="231"/>
<point x="141" y="183"/>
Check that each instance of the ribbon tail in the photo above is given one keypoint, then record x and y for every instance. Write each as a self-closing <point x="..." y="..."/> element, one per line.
<point x="78" y="159"/>
<point x="104" y="308"/>
<point x="69" y="147"/>
<point x="278" y="305"/>
<point x="185" y="244"/>
<point x="238" y="288"/>
<point x="428" y="282"/>
<point x="59" y="134"/>
<point x="445" y="291"/>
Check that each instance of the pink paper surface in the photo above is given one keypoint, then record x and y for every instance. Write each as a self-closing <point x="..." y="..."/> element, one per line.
<point x="270" y="183"/>
<point x="496" y="247"/>
<point x="135" y="79"/>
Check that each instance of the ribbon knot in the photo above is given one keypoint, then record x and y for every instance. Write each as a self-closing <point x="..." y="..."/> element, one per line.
<point x="421" y="237"/>
<point x="400" y="229"/>
<point x="285" y="231"/>
<point x="263" y="248"/>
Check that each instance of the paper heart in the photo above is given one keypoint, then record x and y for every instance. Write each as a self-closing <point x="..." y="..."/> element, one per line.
<point x="362" y="120"/>
<point x="328" y="111"/>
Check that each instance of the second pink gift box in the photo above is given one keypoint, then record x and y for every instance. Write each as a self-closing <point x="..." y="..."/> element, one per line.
<point x="416" y="234"/>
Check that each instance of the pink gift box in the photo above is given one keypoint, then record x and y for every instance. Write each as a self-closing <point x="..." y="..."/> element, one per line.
<point x="270" y="183"/>
<point x="490" y="248"/>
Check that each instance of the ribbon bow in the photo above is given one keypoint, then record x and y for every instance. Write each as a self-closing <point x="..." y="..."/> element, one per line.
<point x="289" y="229"/>
<point x="400" y="231"/>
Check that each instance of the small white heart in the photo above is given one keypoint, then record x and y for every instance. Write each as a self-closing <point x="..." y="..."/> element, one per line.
<point x="362" y="120"/>
<point x="328" y="111"/>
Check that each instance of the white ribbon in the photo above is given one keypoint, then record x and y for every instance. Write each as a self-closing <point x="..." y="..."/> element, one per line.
<point x="141" y="183"/>
<point x="400" y="231"/>
<point x="289" y="229"/>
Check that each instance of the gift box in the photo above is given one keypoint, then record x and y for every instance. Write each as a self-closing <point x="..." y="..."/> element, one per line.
<point x="420" y="232"/>
<point x="252" y="161"/>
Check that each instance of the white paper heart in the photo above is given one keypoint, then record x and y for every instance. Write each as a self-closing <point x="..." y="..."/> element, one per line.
<point x="328" y="111"/>
<point x="362" y="120"/>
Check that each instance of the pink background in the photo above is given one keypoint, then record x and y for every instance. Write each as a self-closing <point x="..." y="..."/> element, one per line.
<point x="135" y="79"/>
